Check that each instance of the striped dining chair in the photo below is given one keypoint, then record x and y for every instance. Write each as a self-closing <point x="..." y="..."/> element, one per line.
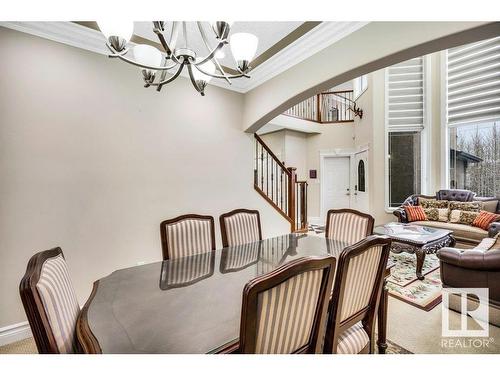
<point x="283" y="311"/>
<point x="348" y="226"/>
<point x="50" y="303"/>
<point x="356" y="294"/>
<point x="187" y="235"/>
<point x="239" y="227"/>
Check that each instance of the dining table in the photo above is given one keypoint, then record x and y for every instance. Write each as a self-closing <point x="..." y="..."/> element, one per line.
<point x="192" y="304"/>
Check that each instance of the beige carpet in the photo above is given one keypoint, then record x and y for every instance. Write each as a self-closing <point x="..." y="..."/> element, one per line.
<point x="26" y="346"/>
<point x="419" y="331"/>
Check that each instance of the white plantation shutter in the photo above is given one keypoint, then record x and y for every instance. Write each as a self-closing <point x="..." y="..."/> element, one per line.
<point x="405" y="96"/>
<point x="473" y="82"/>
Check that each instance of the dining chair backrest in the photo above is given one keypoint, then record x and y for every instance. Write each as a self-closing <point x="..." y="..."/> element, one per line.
<point x="283" y="311"/>
<point x="357" y="288"/>
<point x="187" y="235"/>
<point x="50" y="303"/>
<point x="349" y="226"/>
<point x="240" y="226"/>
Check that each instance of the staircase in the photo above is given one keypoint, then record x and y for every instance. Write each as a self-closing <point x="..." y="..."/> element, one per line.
<point x="278" y="185"/>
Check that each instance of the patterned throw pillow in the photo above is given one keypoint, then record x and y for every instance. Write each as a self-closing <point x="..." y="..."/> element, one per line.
<point x="415" y="213"/>
<point x="436" y="214"/>
<point x="467" y="217"/>
<point x="484" y="219"/>
<point x="463" y="217"/>
<point x="465" y="206"/>
<point x="432" y="214"/>
<point x="432" y="203"/>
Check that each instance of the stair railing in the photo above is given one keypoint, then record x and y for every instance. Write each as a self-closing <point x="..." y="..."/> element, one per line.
<point x="325" y="108"/>
<point x="278" y="185"/>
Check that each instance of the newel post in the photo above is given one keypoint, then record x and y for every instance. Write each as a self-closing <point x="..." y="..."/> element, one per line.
<point x="292" y="178"/>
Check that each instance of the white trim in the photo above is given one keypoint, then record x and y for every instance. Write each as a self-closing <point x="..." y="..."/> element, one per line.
<point x="425" y="135"/>
<point x="386" y="142"/>
<point x="14" y="332"/>
<point x="445" y="142"/>
<point x="320" y="37"/>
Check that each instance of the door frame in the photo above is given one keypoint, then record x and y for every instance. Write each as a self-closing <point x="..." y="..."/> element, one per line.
<point x="344" y="153"/>
<point x="367" y="169"/>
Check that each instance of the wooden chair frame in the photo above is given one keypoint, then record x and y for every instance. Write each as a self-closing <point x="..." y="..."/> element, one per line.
<point x="369" y="228"/>
<point x="33" y="305"/>
<point x="165" y="223"/>
<point x="248" y="326"/>
<point x="335" y="327"/>
<point x="222" y="222"/>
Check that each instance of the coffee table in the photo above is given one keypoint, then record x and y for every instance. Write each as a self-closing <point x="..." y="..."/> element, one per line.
<point x="416" y="239"/>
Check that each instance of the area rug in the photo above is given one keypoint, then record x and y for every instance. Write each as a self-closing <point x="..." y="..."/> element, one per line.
<point x="404" y="285"/>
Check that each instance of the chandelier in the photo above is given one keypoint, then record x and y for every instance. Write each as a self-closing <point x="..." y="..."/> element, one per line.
<point x="177" y="54"/>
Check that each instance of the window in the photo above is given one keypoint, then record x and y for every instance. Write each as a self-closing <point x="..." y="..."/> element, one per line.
<point x="473" y="116"/>
<point x="404" y="166"/>
<point x="475" y="158"/>
<point x="361" y="176"/>
<point x="360" y="85"/>
<point x="405" y="120"/>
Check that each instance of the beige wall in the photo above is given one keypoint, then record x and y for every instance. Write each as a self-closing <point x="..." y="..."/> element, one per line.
<point x="276" y="142"/>
<point x="92" y="162"/>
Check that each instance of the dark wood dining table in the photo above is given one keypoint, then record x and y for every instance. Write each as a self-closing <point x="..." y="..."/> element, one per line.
<point x="191" y="304"/>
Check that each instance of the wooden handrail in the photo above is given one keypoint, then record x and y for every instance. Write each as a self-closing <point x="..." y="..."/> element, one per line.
<point x="319" y="112"/>
<point x="278" y="185"/>
<point x="282" y="166"/>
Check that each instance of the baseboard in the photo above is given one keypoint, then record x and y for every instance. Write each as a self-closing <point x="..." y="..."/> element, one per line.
<point x="314" y="220"/>
<point x="14" y="332"/>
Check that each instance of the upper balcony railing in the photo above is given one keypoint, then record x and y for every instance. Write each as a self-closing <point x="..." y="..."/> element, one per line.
<point x="326" y="108"/>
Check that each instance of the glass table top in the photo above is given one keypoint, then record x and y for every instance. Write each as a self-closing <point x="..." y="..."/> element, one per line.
<point x="411" y="232"/>
<point x="192" y="304"/>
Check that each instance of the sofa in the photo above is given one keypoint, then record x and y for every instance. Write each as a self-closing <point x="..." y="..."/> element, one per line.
<point x="473" y="268"/>
<point x="463" y="233"/>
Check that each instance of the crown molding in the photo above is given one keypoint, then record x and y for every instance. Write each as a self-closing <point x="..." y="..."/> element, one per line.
<point x="318" y="38"/>
<point x="311" y="43"/>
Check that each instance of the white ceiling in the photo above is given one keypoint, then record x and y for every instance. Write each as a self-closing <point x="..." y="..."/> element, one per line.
<point x="268" y="33"/>
<point x="320" y="37"/>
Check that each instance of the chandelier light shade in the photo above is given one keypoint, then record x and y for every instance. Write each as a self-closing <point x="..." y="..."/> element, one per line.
<point x="177" y="54"/>
<point x="118" y="33"/>
<point x="243" y="47"/>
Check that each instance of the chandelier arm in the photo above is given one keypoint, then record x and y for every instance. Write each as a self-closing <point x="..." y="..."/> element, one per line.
<point x="162" y="39"/>
<point x="193" y="81"/>
<point x="218" y="75"/>
<point x="114" y="53"/>
<point x="205" y="41"/>
<point x="174" y="76"/>
<point x="130" y="61"/>
<point x="211" y="55"/>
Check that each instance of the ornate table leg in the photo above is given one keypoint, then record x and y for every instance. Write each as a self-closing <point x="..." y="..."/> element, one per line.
<point x="420" y="253"/>
<point x="382" y="319"/>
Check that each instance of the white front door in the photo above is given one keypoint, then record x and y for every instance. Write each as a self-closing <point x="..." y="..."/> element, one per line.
<point x="360" y="198"/>
<point x="335" y="181"/>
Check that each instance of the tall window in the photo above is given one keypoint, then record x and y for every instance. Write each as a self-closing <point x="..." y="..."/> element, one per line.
<point x="473" y="116"/>
<point x="360" y="85"/>
<point x="405" y="119"/>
